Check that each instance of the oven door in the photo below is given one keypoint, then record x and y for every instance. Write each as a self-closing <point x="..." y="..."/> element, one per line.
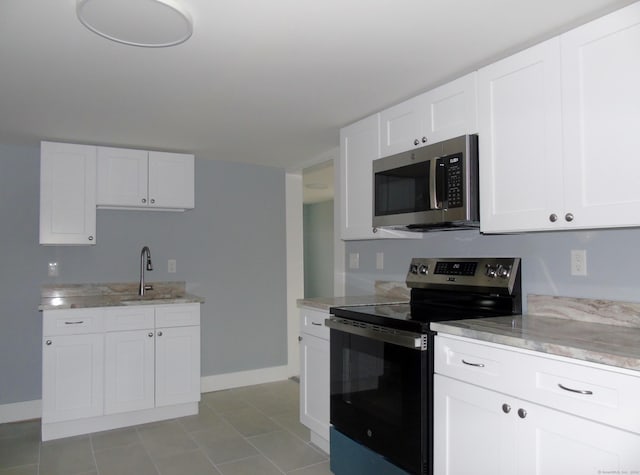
<point x="381" y="393"/>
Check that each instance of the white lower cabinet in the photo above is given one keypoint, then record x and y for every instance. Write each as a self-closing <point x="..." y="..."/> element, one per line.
<point x="481" y="430"/>
<point x="177" y="365"/>
<point x="72" y="377"/>
<point x="117" y="366"/>
<point x="314" y="375"/>
<point x="129" y="371"/>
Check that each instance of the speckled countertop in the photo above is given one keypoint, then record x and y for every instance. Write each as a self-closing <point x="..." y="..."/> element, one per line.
<point x="386" y="292"/>
<point x="575" y="330"/>
<point x="56" y="297"/>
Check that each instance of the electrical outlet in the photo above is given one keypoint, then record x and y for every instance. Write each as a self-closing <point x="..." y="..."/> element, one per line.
<point x="380" y="260"/>
<point x="354" y="260"/>
<point x="53" y="269"/>
<point x="171" y="266"/>
<point x="579" y="262"/>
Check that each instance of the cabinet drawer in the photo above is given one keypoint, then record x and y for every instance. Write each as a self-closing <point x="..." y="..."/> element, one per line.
<point x="471" y="362"/>
<point x="312" y="322"/>
<point x="178" y="315"/>
<point x="72" y="321"/>
<point x="129" y="318"/>
<point x="595" y="393"/>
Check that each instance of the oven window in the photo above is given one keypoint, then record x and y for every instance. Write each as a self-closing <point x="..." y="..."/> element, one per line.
<point x="402" y="190"/>
<point x="379" y="396"/>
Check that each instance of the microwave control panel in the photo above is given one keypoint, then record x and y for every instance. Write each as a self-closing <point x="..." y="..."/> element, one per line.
<point x="453" y="164"/>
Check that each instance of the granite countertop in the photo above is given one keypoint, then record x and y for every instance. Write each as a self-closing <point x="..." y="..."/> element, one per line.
<point x="386" y="292"/>
<point x="56" y="297"/>
<point x="609" y="344"/>
<point x="325" y="303"/>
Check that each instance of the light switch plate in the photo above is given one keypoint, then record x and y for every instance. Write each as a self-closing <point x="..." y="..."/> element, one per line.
<point x="354" y="260"/>
<point x="380" y="260"/>
<point x="53" y="269"/>
<point x="579" y="262"/>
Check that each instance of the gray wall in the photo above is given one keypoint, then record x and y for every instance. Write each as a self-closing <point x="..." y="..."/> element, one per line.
<point x="318" y="249"/>
<point x="230" y="250"/>
<point x="613" y="260"/>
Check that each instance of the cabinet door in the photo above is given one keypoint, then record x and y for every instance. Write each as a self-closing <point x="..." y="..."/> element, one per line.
<point x="177" y="365"/>
<point x="551" y="442"/>
<point x="451" y="110"/>
<point x="67" y="193"/>
<point x="358" y="148"/>
<point x="129" y="371"/>
<point x="472" y="433"/>
<point x="402" y="127"/>
<point x="72" y="377"/>
<point x="601" y="107"/>
<point x="314" y="384"/>
<point x="520" y="141"/>
<point x="171" y="180"/>
<point x="122" y="177"/>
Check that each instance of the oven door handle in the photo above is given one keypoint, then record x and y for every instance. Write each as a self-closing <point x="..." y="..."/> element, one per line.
<point x="414" y="341"/>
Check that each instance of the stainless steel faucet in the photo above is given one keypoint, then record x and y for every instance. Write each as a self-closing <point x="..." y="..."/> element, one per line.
<point x="144" y="287"/>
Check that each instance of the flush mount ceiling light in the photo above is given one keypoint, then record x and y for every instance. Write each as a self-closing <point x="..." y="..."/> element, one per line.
<point x="146" y="23"/>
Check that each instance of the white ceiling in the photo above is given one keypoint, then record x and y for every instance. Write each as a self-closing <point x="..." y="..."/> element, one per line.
<point x="266" y="82"/>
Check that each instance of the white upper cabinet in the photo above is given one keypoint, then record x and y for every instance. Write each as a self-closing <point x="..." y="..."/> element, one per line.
<point x="67" y="193"/>
<point x="601" y="107"/>
<point x="149" y="180"/>
<point x="122" y="177"/>
<point x="520" y="140"/>
<point x="171" y="180"/>
<point x="442" y="113"/>
<point x="558" y="127"/>
<point x="359" y="147"/>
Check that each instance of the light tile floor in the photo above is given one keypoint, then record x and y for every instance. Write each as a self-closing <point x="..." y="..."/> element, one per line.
<point x="246" y="431"/>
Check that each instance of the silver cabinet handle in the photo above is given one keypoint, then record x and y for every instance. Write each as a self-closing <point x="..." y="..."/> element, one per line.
<point x="375" y="230"/>
<point x="568" y="217"/>
<point x="90" y="238"/>
<point x="553" y="217"/>
<point x="159" y="333"/>
<point x="48" y="342"/>
<point x="150" y="335"/>
<point x="506" y="408"/>
<point x="424" y="140"/>
<point x="316" y="324"/>
<point x="299" y="338"/>
<point x="416" y="142"/>
<point x="144" y="200"/>
<point x="477" y="365"/>
<point x="579" y="391"/>
<point x="153" y="200"/>
<point x="522" y="413"/>
<point x="79" y="322"/>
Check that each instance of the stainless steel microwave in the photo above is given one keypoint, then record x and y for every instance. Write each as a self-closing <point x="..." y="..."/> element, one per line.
<point x="431" y="187"/>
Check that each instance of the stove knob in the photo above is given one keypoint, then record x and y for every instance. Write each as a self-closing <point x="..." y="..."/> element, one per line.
<point x="491" y="271"/>
<point x="423" y="270"/>
<point x="504" y="271"/>
<point x="413" y="268"/>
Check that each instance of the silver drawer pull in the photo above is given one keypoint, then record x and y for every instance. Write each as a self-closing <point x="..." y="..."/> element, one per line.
<point x="316" y="324"/>
<point x="79" y="322"/>
<point x="477" y="365"/>
<point x="579" y="391"/>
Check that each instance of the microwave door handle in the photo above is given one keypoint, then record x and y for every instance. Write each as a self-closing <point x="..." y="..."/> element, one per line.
<point x="441" y="183"/>
<point x="433" y="195"/>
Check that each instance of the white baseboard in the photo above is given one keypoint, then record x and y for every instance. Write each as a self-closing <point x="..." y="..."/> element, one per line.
<point x="244" y="378"/>
<point x="22" y="411"/>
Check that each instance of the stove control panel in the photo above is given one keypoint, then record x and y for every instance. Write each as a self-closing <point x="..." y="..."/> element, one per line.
<point x="482" y="273"/>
